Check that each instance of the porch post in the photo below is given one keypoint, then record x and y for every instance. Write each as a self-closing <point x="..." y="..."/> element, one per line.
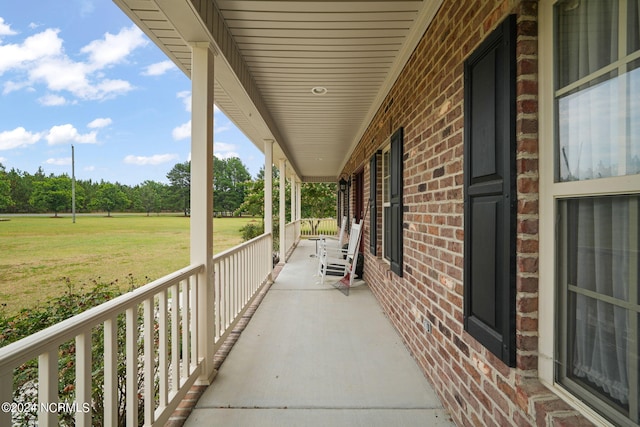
<point x="299" y="198"/>
<point x="283" y="219"/>
<point x="292" y="185"/>
<point x="202" y="198"/>
<point x="268" y="191"/>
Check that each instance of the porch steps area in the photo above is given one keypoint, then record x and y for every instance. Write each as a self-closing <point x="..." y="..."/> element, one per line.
<point x="313" y="356"/>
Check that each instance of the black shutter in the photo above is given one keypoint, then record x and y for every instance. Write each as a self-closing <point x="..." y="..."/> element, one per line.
<point x="373" y="228"/>
<point x="395" y="199"/>
<point x="490" y="194"/>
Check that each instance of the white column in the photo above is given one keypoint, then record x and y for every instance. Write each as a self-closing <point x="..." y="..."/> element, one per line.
<point x="293" y="186"/>
<point x="268" y="186"/>
<point x="202" y="197"/>
<point x="268" y="193"/>
<point x="282" y="209"/>
<point x="299" y="198"/>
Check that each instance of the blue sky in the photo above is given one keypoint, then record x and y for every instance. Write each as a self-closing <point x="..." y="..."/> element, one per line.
<point x="80" y="73"/>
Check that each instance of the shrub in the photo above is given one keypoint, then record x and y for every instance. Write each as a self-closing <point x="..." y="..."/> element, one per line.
<point x="252" y="230"/>
<point x="30" y="321"/>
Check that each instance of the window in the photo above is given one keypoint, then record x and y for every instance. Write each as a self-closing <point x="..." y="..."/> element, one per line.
<point x="490" y="196"/>
<point x="392" y="205"/>
<point x="591" y="194"/>
<point x="373" y="207"/>
<point x="386" y="204"/>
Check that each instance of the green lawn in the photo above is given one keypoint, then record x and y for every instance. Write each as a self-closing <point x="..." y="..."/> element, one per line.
<point x="38" y="253"/>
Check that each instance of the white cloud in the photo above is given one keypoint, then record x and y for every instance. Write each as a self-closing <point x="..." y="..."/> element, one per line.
<point x="40" y="58"/>
<point x="185" y="95"/>
<point x="51" y="100"/>
<point x="159" y="68"/>
<point x="222" y="128"/>
<point x="3" y="159"/>
<point x="63" y="134"/>
<point x="156" y="159"/>
<point x="11" y="86"/>
<point x="5" y="29"/>
<point x="182" y="132"/>
<point x="114" y="48"/>
<point x="18" y="137"/>
<point x="62" y="161"/>
<point x="86" y="7"/>
<point x="34" y="48"/>
<point x="223" y="150"/>
<point x="100" y="123"/>
<point x="89" y="168"/>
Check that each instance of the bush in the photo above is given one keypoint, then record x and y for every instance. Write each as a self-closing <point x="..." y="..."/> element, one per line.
<point x="30" y="321"/>
<point x="252" y="230"/>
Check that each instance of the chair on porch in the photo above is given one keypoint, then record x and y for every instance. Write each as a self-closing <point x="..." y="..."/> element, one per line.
<point x="330" y="241"/>
<point x="339" y="261"/>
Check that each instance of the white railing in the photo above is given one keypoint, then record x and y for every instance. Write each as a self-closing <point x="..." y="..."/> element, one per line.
<point x="240" y="272"/>
<point x="291" y="236"/>
<point x="314" y="227"/>
<point x="159" y="355"/>
<point x="158" y="358"/>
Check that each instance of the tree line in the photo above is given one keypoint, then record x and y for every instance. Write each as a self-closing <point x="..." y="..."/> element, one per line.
<point x="234" y="191"/>
<point x="23" y="192"/>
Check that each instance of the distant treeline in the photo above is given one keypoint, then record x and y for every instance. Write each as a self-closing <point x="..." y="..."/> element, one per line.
<point x="23" y="192"/>
<point x="234" y="192"/>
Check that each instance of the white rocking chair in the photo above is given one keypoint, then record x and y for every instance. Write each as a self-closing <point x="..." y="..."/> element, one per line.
<point x="341" y="262"/>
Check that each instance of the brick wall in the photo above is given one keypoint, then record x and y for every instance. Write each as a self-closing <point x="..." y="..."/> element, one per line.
<point x="427" y="100"/>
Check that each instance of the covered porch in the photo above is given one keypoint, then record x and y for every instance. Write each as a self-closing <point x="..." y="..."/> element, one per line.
<point x="310" y="355"/>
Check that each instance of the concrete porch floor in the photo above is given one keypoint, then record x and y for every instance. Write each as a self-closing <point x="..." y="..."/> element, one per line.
<point x="312" y="356"/>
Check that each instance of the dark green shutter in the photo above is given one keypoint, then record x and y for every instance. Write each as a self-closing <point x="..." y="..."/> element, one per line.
<point x="490" y="192"/>
<point x="373" y="228"/>
<point x="395" y="218"/>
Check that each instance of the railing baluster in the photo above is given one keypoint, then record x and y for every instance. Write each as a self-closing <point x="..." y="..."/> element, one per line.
<point x="227" y="281"/>
<point x="48" y="386"/>
<point x="83" y="378"/>
<point x="6" y="394"/>
<point x="111" y="372"/>
<point x="216" y="300"/>
<point x="175" y="339"/>
<point x="149" y="362"/>
<point x="163" y="351"/>
<point x="194" y="323"/>
<point x="234" y="286"/>
<point x="185" y="328"/>
<point x="132" y="366"/>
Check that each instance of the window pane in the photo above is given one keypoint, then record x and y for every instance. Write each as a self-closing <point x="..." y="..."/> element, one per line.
<point x="633" y="157"/>
<point x="386" y="188"/>
<point x="598" y="265"/>
<point x="586" y="38"/>
<point x="598" y="110"/>
<point x="633" y="14"/>
<point x="588" y="132"/>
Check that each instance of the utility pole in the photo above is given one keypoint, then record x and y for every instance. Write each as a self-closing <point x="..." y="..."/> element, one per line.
<point x="73" y="184"/>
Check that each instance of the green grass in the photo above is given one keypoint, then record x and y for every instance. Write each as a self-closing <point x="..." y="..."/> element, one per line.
<point x="38" y="253"/>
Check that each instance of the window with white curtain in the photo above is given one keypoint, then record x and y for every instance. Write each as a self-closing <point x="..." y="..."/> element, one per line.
<point x="596" y="194"/>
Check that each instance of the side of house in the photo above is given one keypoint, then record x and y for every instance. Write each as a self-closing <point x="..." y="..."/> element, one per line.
<point x="501" y="239"/>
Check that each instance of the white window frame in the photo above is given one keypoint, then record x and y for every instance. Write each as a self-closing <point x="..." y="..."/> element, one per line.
<point x="550" y="193"/>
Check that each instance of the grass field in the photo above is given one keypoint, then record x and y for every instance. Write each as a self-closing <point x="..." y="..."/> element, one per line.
<point x="38" y="253"/>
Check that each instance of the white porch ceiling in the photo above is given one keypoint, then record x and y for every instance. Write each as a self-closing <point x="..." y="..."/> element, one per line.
<point x="270" y="54"/>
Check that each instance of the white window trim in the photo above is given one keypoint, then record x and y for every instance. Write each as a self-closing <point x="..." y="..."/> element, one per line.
<point x="550" y="192"/>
